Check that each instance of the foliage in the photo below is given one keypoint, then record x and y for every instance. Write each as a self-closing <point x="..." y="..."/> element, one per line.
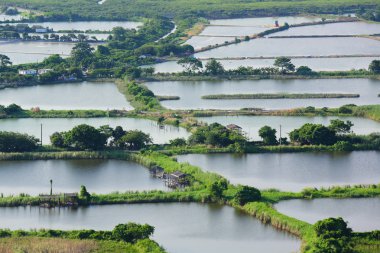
<point x="15" y="142"/>
<point x="245" y="194"/>
<point x="134" y="140"/>
<point x="333" y="236"/>
<point x="374" y="67"/>
<point x="284" y="64"/>
<point x="268" y="135"/>
<point x="190" y="64"/>
<point x="213" y="67"/>
<point x="216" y="135"/>
<point x="216" y="188"/>
<point x="313" y="134"/>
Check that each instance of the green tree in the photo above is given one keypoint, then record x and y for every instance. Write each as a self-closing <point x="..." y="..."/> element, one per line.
<point x="13" y="109"/>
<point x="4" y="61"/>
<point x="82" y="54"/>
<point x="134" y="140"/>
<point x="284" y="64"/>
<point x="178" y="142"/>
<point x="132" y="232"/>
<point x="341" y="127"/>
<point x="313" y="134"/>
<point x="374" y="67"/>
<point x="213" y="67"/>
<point x="218" y="187"/>
<point x="85" y="137"/>
<point x="246" y="194"/>
<point x="15" y="142"/>
<point x="190" y="64"/>
<point x="304" y="71"/>
<point x="333" y="236"/>
<point x="268" y="135"/>
<point x="57" y="140"/>
<point x="84" y="194"/>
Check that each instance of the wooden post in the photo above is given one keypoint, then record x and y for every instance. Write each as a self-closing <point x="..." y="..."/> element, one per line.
<point x="51" y="187"/>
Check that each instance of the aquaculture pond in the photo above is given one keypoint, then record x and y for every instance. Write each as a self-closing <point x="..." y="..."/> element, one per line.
<point x="179" y="227"/>
<point x="292" y="171"/>
<point x="68" y="96"/>
<point x="317" y="64"/>
<point x="347" y="28"/>
<point x="100" y="176"/>
<point x="265" y="21"/>
<point x="274" y="47"/>
<point x="191" y="92"/>
<point x="251" y="124"/>
<point x="21" y="52"/>
<point x="88" y="25"/>
<point x="362" y="214"/>
<point x="160" y="134"/>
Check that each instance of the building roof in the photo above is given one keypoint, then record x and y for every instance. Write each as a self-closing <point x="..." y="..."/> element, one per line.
<point x="178" y="174"/>
<point x="233" y="127"/>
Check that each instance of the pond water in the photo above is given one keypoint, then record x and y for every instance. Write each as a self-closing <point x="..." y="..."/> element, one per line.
<point x="265" y="21"/>
<point x="267" y="47"/>
<point x="29" y="52"/>
<point x="348" y="28"/>
<point x="179" y="227"/>
<point x="190" y="93"/>
<point x="99" y="176"/>
<point x="160" y="135"/>
<point x="362" y="214"/>
<point x="292" y="171"/>
<point x="199" y="42"/>
<point x="231" y="31"/>
<point x="88" y="25"/>
<point x="318" y="64"/>
<point x="67" y="96"/>
<point x="251" y="124"/>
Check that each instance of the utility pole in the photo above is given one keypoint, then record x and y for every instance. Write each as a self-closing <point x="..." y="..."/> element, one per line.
<point x="280" y="135"/>
<point x="51" y="187"/>
<point x="41" y="134"/>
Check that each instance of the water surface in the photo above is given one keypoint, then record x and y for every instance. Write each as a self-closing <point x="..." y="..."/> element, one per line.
<point x="32" y="126"/>
<point x="99" y="176"/>
<point x="251" y="124"/>
<point x="362" y="214"/>
<point x="67" y="96"/>
<point x="348" y="28"/>
<point x="265" y="21"/>
<point x="21" y="52"/>
<point x="179" y="227"/>
<point x="267" y="47"/>
<point x="190" y="93"/>
<point x="292" y="171"/>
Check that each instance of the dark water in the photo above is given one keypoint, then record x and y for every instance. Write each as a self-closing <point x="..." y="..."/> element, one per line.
<point x="292" y="171"/>
<point x="180" y="228"/>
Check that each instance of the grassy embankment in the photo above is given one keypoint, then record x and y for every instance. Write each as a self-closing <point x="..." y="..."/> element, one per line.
<point x="33" y="244"/>
<point x="198" y="192"/>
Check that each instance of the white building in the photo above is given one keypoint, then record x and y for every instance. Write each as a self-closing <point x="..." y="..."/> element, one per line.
<point x="43" y="71"/>
<point x="24" y="72"/>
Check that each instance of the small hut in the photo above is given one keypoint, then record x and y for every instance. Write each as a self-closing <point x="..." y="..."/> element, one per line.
<point x="234" y="127"/>
<point x="157" y="171"/>
<point x="177" y="179"/>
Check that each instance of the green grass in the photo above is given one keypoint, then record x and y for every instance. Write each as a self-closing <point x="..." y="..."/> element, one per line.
<point x="280" y="96"/>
